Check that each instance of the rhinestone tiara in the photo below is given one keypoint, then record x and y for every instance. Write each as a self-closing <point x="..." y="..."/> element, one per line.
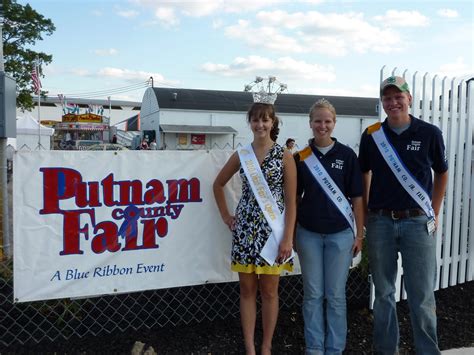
<point x="267" y="89"/>
<point x="264" y="97"/>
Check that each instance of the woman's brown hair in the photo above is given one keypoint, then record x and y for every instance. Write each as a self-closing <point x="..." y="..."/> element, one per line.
<point x="262" y="110"/>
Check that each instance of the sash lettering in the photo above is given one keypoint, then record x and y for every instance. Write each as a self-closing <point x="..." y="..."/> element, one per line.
<point x="403" y="175"/>
<point x="328" y="185"/>
<point x="265" y="201"/>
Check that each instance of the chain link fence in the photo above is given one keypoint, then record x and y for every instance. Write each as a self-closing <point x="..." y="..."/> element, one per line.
<point x="56" y="320"/>
<point x="60" y="320"/>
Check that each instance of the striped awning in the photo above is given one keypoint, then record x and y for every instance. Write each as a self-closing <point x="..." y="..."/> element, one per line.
<point x="67" y="126"/>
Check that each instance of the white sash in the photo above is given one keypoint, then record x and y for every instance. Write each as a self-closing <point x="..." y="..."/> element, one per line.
<point x="266" y="203"/>
<point x="402" y="174"/>
<point x="328" y="185"/>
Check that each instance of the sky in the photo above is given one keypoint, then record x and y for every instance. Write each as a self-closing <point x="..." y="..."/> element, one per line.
<point x="105" y="48"/>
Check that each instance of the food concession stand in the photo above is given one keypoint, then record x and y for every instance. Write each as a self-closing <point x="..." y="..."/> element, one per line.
<point x="78" y="131"/>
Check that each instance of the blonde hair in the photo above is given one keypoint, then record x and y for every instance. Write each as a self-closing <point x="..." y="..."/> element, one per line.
<point x="322" y="104"/>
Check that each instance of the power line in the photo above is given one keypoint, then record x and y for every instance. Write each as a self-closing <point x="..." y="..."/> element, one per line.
<point x="114" y="91"/>
<point x="109" y="92"/>
<point x="128" y="87"/>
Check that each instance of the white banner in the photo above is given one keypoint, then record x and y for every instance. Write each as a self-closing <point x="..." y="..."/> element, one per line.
<point x="93" y="223"/>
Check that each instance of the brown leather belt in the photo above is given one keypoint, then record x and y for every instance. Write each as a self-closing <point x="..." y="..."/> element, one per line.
<point x="400" y="214"/>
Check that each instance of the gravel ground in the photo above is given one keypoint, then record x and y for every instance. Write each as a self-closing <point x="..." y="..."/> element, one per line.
<point x="455" y="309"/>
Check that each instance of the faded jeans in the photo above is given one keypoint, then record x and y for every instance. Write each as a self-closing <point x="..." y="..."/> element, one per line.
<point x="385" y="238"/>
<point x="325" y="260"/>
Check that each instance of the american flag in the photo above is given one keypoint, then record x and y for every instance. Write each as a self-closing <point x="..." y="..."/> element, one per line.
<point x="36" y="80"/>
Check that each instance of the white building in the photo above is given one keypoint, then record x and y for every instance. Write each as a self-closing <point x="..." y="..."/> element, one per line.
<point x="211" y="119"/>
<point x="208" y="119"/>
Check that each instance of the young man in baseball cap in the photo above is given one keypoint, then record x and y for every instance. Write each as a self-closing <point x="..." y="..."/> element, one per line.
<point x="403" y="201"/>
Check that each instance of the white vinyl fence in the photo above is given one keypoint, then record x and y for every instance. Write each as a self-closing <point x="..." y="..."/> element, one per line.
<point x="449" y="104"/>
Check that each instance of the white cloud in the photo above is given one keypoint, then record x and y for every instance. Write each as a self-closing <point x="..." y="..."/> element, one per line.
<point x="198" y="8"/>
<point x="217" y="24"/>
<point x="167" y="16"/>
<point x="397" y="19"/>
<point x="265" y="37"/>
<point x="329" y="34"/>
<point x="447" y="13"/>
<point x="105" y="52"/>
<point x="208" y="7"/>
<point x="96" y="13"/>
<point x="128" y="13"/>
<point x="285" y="68"/>
<point x="456" y="68"/>
<point x="134" y="75"/>
<point x="240" y="6"/>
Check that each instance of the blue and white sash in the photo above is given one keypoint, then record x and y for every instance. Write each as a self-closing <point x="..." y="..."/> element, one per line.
<point x="266" y="202"/>
<point x="328" y="185"/>
<point x="403" y="175"/>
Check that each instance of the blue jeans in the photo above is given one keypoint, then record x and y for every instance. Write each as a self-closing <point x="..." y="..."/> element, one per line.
<point x="385" y="238"/>
<point x="325" y="261"/>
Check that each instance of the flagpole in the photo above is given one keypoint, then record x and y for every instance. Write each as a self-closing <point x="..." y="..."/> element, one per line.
<point x="5" y="245"/>
<point x="39" y="107"/>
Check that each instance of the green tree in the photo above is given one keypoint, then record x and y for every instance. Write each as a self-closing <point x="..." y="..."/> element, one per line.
<point x="22" y="28"/>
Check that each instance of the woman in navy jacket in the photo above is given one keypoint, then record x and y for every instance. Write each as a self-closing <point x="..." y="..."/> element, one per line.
<point x="325" y="239"/>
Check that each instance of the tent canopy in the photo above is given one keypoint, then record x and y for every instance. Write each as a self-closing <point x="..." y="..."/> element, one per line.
<point x="28" y="125"/>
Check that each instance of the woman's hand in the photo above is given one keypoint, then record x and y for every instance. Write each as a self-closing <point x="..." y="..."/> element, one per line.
<point x="285" y="250"/>
<point x="230" y="221"/>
